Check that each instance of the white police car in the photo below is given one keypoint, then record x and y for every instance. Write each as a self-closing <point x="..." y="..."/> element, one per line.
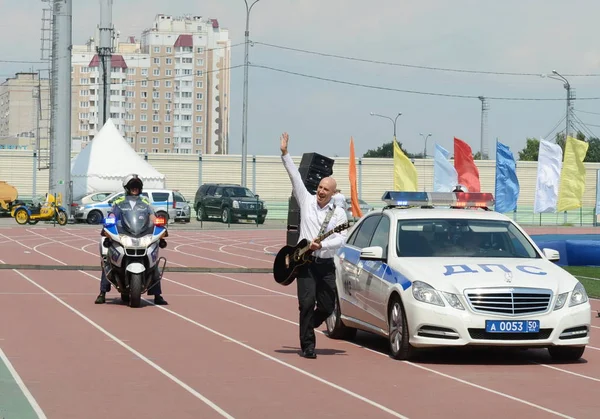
<point x="440" y="269"/>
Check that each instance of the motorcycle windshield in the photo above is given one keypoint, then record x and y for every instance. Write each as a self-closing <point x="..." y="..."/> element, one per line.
<point x="135" y="222"/>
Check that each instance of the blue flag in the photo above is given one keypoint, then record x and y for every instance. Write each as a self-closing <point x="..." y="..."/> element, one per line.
<point x="445" y="177"/>
<point x="507" y="184"/>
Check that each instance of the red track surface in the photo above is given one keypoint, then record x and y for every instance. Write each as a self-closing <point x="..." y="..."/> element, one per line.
<point x="227" y="345"/>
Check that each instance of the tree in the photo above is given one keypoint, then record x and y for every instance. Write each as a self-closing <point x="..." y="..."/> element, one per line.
<point x="386" y="150"/>
<point x="531" y="150"/>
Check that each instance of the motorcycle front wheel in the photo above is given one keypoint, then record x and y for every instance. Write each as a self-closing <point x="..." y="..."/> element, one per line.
<point x="135" y="290"/>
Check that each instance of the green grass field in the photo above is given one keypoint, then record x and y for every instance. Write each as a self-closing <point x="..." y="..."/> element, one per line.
<point x="589" y="277"/>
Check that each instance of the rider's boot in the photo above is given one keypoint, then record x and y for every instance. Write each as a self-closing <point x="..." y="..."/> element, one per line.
<point x="160" y="301"/>
<point x="101" y="299"/>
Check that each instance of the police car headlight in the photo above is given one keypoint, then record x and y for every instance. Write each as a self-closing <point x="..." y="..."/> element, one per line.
<point x="579" y="296"/>
<point x="81" y="208"/>
<point x="452" y="300"/>
<point x="235" y="204"/>
<point x="426" y="293"/>
<point x="561" y="300"/>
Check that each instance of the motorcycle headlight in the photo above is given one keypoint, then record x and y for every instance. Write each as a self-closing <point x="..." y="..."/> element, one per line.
<point x="426" y="293"/>
<point x="579" y="296"/>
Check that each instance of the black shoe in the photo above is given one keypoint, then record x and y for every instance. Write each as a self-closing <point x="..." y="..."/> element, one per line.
<point x="309" y="353"/>
<point x="159" y="301"/>
<point x="101" y="299"/>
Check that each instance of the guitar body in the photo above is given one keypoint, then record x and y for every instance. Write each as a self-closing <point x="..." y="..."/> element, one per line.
<point x="288" y="261"/>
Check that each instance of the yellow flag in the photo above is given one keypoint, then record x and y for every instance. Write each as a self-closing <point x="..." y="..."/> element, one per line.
<point x="405" y="174"/>
<point x="572" y="175"/>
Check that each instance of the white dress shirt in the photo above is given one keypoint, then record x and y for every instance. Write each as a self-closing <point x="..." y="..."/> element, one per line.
<point x="312" y="216"/>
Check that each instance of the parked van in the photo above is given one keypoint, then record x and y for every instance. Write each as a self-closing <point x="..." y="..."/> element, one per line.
<point x="167" y="203"/>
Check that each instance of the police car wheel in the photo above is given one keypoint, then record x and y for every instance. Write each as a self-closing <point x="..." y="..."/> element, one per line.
<point x="336" y="328"/>
<point x="94" y="217"/>
<point x="566" y="353"/>
<point x="398" y="336"/>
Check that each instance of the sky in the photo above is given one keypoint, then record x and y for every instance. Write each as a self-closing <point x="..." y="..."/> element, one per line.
<point x="509" y="36"/>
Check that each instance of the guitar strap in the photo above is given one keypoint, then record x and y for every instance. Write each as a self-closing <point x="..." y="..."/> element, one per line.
<point x="326" y="220"/>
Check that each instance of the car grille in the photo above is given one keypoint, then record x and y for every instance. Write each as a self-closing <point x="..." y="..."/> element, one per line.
<point x="251" y="205"/>
<point x="483" y="335"/>
<point x="509" y="301"/>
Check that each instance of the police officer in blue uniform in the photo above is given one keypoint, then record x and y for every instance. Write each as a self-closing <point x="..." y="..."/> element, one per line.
<point x="133" y="186"/>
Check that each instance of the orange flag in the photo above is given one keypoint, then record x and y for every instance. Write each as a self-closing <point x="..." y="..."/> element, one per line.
<point x="353" y="188"/>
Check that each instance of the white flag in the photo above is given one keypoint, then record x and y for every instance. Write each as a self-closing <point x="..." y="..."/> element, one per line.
<point x="548" y="177"/>
<point x="445" y="177"/>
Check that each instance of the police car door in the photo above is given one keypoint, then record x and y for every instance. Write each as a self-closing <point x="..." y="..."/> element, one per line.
<point x="364" y="267"/>
<point x="375" y="271"/>
<point x="349" y="258"/>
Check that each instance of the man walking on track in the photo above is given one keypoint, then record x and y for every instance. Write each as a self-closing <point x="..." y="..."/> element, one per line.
<point x="316" y="279"/>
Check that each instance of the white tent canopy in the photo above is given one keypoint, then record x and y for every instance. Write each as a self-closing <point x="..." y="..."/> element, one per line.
<point x="106" y="160"/>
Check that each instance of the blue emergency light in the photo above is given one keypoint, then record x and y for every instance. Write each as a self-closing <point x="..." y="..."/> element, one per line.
<point x="439" y="199"/>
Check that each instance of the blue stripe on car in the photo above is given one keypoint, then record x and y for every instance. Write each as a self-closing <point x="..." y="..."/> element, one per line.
<point x="379" y="269"/>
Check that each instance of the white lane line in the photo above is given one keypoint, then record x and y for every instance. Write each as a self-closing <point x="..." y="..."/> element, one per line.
<point x="567" y="371"/>
<point x="130" y="349"/>
<point x="34" y="404"/>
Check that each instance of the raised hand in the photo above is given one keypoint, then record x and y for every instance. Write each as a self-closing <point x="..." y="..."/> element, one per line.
<point x="284" y="143"/>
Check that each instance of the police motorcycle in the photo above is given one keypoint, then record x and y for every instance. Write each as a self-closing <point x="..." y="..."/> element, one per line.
<point x="132" y="262"/>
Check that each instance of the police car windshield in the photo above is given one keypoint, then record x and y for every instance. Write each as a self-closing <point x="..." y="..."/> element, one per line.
<point x="462" y="238"/>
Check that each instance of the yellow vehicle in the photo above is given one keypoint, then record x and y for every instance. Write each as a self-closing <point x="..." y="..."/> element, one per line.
<point x="51" y="210"/>
<point x="8" y="194"/>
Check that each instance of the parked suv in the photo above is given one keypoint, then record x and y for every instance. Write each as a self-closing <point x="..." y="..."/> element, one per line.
<point x="229" y="202"/>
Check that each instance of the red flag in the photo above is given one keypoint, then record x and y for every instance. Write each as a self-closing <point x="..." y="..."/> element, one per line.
<point x="468" y="174"/>
<point x="353" y="188"/>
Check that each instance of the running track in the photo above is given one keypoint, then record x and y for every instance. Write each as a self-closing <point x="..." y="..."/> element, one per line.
<point x="227" y="346"/>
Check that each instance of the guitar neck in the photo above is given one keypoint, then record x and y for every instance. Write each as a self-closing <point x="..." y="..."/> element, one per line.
<point x="322" y="237"/>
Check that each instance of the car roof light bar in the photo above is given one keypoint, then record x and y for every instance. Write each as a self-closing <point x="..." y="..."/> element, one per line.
<point x="433" y="199"/>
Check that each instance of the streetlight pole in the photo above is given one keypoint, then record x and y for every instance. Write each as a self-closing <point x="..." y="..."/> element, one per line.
<point x="425" y="138"/>
<point x="245" y="105"/>
<point x="387" y="117"/>
<point x="567" y="87"/>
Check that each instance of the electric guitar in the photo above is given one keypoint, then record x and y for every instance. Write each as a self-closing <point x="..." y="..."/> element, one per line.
<point x="289" y="259"/>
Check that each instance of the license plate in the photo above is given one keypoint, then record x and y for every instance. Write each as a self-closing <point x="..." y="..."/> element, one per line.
<point x="512" y="326"/>
<point x="251" y="215"/>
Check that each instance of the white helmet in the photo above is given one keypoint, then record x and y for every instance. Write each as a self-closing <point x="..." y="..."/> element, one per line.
<point x="132" y="181"/>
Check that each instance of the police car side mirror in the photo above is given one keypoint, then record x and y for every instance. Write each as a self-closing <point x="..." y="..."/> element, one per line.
<point x="372" y="253"/>
<point x="551" y="254"/>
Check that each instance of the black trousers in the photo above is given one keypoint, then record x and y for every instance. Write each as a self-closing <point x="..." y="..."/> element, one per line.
<point x="316" y="286"/>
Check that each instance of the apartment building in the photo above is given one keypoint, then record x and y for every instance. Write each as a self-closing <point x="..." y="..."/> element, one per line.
<point x="169" y="91"/>
<point x="23" y="112"/>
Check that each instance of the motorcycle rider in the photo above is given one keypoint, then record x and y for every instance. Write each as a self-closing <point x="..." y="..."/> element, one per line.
<point x="133" y="186"/>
